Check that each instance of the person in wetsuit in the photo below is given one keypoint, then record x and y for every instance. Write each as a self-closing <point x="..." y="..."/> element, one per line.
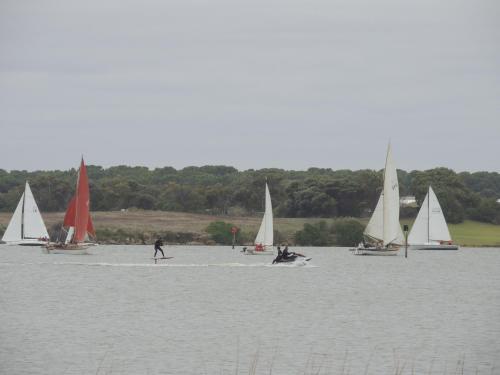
<point x="279" y="257"/>
<point x="158" y="244"/>
<point x="285" y="252"/>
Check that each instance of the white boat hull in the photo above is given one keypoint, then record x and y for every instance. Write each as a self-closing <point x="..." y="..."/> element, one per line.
<point x="434" y="247"/>
<point x="255" y="252"/>
<point x="67" y="251"/>
<point x="375" y="251"/>
<point x="80" y="249"/>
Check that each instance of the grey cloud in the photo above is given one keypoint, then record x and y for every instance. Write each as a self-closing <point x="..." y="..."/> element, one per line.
<point x="253" y="84"/>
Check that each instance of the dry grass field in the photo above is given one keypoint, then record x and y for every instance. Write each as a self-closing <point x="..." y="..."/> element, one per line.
<point x="466" y="234"/>
<point x="137" y="220"/>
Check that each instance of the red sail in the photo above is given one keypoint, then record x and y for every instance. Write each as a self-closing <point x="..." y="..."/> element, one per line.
<point x="69" y="218"/>
<point x="82" y="214"/>
<point x="90" y="227"/>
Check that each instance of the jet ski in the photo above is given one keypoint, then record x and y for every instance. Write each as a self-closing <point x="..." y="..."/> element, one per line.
<point x="291" y="258"/>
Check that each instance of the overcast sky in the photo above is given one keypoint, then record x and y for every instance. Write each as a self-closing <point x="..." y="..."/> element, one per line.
<point x="253" y="84"/>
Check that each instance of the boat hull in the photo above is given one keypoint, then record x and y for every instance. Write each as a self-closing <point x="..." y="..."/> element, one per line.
<point x="375" y="251"/>
<point x="74" y="249"/>
<point x="259" y="252"/>
<point x="27" y="243"/>
<point x="434" y="247"/>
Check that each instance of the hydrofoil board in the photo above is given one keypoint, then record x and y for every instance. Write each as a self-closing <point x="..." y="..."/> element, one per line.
<point x="157" y="259"/>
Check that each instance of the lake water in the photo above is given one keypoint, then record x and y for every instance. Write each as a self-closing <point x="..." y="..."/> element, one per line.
<point x="213" y="310"/>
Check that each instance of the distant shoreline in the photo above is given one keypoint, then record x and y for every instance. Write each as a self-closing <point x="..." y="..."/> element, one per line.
<point x="134" y="227"/>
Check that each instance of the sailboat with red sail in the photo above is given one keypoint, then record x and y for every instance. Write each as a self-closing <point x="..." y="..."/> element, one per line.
<point x="77" y="221"/>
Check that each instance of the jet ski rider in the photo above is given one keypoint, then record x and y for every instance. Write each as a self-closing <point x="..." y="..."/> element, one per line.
<point x="285" y="253"/>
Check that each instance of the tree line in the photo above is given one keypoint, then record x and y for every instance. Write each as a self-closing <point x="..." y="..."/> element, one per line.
<point x="223" y="190"/>
<point x="342" y="232"/>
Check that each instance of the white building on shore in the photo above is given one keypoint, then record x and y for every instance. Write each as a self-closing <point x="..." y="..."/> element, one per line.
<point x="408" y="201"/>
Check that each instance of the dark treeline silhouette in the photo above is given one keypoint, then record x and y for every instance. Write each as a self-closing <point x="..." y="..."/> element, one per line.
<point x="224" y="190"/>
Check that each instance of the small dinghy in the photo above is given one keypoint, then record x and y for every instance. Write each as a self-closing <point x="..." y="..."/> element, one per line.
<point x="264" y="240"/>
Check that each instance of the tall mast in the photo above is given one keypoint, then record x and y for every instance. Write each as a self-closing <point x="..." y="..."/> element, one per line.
<point x="429" y="214"/>
<point x="22" y="214"/>
<point x="77" y="211"/>
<point x="265" y="195"/>
<point x="383" y="193"/>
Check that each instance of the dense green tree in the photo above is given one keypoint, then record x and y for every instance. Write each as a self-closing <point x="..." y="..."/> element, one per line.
<point x="317" y="234"/>
<point x="309" y="199"/>
<point x="452" y="193"/>
<point x="220" y="232"/>
<point x="217" y="199"/>
<point x="176" y="197"/>
<point x="348" y="232"/>
<point x="487" y="184"/>
<point x="488" y="211"/>
<point x="317" y="192"/>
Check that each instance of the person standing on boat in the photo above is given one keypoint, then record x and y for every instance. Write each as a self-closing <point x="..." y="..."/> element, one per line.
<point x="158" y="245"/>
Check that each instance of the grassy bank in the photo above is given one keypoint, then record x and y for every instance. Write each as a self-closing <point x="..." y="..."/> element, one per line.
<point x="473" y="233"/>
<point x="177" y="227"/>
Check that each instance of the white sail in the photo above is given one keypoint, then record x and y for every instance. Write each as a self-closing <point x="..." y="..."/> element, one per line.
<point x="69" y="235"/>
<point x="13" y="232"/>
<point x="392" y="227"/>
<point x="384" y="224"/>
<point x="375" y="227"/>
<point x="430" y="225"/>
<point x="34" y="227"/>
<point x="437" y="223"/>
<point x="420" y="230"/>
<point x="265" y="234"/>
<point x="26" y="223"/>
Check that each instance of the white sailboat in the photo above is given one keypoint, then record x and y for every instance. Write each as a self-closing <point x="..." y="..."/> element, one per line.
<point x="26" y="227"/>
<point x="430" y="231"/>
<point x="383" y="233"/>
<point x="265" y="237"/>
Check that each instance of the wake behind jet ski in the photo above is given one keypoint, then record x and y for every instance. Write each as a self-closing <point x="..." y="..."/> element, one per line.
<point x="289" y="257"/>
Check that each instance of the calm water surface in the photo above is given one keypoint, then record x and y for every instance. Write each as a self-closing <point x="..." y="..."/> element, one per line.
<point x="213" y="310"/>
